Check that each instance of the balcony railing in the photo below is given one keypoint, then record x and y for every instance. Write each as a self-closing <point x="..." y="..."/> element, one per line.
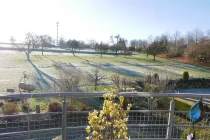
<point x="146" y="123"/>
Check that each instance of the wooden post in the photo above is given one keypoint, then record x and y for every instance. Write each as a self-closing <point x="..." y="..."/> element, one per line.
<point x="37" y="109"/>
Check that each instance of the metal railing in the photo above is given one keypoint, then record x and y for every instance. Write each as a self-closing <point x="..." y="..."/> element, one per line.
<point x="143" y="124"/>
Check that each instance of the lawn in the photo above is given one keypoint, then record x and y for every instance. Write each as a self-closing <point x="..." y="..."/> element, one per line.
<point x="44" y="69"/>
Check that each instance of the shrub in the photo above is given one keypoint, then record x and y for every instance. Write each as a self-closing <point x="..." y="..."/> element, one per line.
<point x="131" y="48"/>
<point x="57" y="138"/>
<point x="10" y="108"/>
<point x="185" y="75"/>
<point x="175" y="53"/>
<point x="109" y="123"/>
<point x="25" y="106"/>
<point x="55" y="106"/>
<point x="71" y="108"/>
<point x="199" y="133"/>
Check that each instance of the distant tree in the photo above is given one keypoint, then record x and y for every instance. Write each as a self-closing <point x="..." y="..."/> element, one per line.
<point x="46" y="41"/>
<point x="73" y="44"/>
<point x="131" y="48"/>
<point x="102" y="47"/>
<point x="62" y="43"/>
<point x="208" y="34"/>
<point x="146" y="47"/>
<point x="190" y="38"/>
<point x="156" y="47"/>
<point x="198" y="35"/>
<point x="150" y="39"/>
<point x="69" y="80"/>
<point x="176" y="37"/>
<point x="84" y="45"/>
<point x="115" y="43"/>
<point x="12" y="40"/>
<point x="92" y="44"/>
<point x="32" y="41"/>
<point x="95" y="76"/>
<point x="133" y="43"/>
<point x="122" y="44"/>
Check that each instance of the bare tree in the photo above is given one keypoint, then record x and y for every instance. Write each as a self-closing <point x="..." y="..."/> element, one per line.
<point x="116" y="80"/>
<point x="122" y="45"/>
<point x="150" y="39"/>
<point x="69" y="80"/>
<point x="115" y="44"/>
<point x="12" y="40"/>
<point x="198" y="35"/>
<point x="95" y="76"/>
<point x="46" y="41"/>
<point x="156" y="47"/>
<point x="62" y="43"/>
<point x="133" y="43"/>
<point x="176" y="37"/>
<point x="31" y="40"/>
<point x="73" y="44"/>
<point x="190" y="38"/>
<point x="208" y="34"/>
<point x="102" y="47"/>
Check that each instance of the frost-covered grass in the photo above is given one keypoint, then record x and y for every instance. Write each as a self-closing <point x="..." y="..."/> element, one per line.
<point x="44" y="69"/>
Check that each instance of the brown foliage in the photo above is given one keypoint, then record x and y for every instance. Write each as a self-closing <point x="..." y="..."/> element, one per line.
<point x="10" y="108"/>
<point x="199" y="53"/>
<point x="55" y="106"/>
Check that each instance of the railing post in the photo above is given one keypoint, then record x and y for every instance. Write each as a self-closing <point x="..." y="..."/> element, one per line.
<point x="170" y="120"/>
<point x="64" y="116"/>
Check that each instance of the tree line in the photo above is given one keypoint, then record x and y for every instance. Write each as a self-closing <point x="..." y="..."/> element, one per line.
<point x="194" y="44"/>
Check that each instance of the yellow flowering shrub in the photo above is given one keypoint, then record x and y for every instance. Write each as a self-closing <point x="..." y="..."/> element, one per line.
<point x="110" y="122"/>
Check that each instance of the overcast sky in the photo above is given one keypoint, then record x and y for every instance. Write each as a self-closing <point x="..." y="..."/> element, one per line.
<point x="98" y="19"/>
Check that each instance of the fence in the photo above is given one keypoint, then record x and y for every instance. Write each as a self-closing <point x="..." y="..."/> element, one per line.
<point x="142" y="124"/>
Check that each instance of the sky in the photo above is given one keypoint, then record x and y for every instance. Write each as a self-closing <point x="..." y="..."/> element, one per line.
<point x="99" y="19"/>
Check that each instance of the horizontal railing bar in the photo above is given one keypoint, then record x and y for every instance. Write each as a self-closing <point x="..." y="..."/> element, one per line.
<point x="53" y="94"/>
<point x="99" y="94"/>
<point x="148" y="94"/>
<point x="177" y="111"/>
<point x="31" y="132"/>
<point x="76" y="127"/>
<point x="148" y="139"/>
<point x="148" y="111"/>
<point x="146" y="125"/>
<point x="30" y="115"/>
<point x="129" y="125"/>
<point x="81" y="127"/>
<point x="184" y="125"/>
<point x="76" y="112"/>
<point x="86" y="112"/>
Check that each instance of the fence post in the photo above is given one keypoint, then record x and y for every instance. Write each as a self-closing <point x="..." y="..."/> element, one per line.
<point x="37" y="108"/>
<point x="170" y="120"/>
<point x="64" y="116"/>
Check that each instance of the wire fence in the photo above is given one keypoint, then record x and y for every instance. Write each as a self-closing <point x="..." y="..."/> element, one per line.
<point x="142" y="124"/>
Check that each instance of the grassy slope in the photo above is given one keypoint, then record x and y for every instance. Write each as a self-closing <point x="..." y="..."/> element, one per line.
<point x="44" y="69"/>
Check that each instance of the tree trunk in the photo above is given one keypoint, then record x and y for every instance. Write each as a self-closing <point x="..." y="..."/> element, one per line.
<point x="27" y="53"/>
<point x="147" y="55"/>
<point x="154" y="57"/>
<point x="95" y="84"/>
<point x="101" y="54"/>
<point x="73" y="51"/>
<point x="42" y="49"/>
<point x="116" y="52"/>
